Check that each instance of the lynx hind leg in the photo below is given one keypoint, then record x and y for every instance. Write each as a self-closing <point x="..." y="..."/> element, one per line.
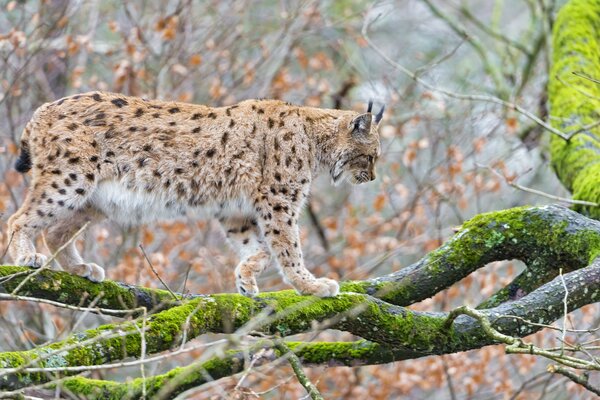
<point x="278" y="219"/>
<point x="69" y="258"/>
<point x="243" y="235"/>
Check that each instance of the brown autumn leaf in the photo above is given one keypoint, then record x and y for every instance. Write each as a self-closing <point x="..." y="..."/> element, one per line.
<point x="195" y="60"/>
<point x="512" y="124"/>
<point x="379" y="202"/>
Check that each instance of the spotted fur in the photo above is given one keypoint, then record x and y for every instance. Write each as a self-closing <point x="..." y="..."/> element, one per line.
<point x="103" y="155"/>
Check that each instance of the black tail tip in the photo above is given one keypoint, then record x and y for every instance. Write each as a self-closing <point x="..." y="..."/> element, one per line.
<point x="23" y="163"/>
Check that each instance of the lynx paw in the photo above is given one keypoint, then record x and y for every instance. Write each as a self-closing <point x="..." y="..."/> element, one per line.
<point x="35" y="260"/>
<point x="323" y="287"/>
<point x="91" y="271"/>
<point x="248" y="289"/>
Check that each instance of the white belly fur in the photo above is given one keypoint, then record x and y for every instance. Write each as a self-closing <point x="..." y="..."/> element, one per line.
<point x="136" y="207"/>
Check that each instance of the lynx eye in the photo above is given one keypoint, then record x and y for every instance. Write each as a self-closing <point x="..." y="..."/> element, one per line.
<point x="370" y="158"/>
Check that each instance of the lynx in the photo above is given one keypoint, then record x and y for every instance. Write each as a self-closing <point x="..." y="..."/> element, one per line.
<point x="104" y="155"/>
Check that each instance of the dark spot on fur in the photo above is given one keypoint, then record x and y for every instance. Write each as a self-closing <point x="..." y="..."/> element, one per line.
<point x="141" y="162"/>
<point x="62" y="191"/>
<point x="196" y="116"/>
<point x="49" y="201"/>
<point x="40" y="213"/>
<point x="61" y="116"/>
<point x="110" y="153"/>
<point x="119" y="102"/>
<point x="180" y="189"/>
<point x="276" y="231"/>
<point x="94" y="158"/>
<point x="278" y="177"/>
<point x="60" y="203"/>
<point x="210" y="153"/>
<point x="172" y="123"/>
<point x="245" y="241"/>
<point x="133" y="128"/>
<point x="147" y="147"/>
<point x="73" y="160"/>
<point x="271" y="123"/>
<point x="56" y="171"/>
<point x="196" y="129"/>
<point x="109" y="134"/>
<point x="179" y="170"/>
<point x="80" y="191"/>
<point x="224" y="138"/>
<point x="261" y="111"/>
<point x="277" y="207"/>
<point x="139" y="112"/>
<point x="156" y="115"/>
<point x="231" y="123"/>
<point x="174" y="110"/>
<point x="97" y="97"/>
<point x="90" y="176"/>
<point x="72" y="126"/>
<point x="67" y="182"/>
<point x="212" y="115"/>
<point x="157" y="173"/>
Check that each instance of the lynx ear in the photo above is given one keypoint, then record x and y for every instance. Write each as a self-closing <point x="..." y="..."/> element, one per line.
<point x="361" y="126"/>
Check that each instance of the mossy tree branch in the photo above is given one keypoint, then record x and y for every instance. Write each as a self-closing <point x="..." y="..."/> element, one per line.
<point x="572" y="241"/>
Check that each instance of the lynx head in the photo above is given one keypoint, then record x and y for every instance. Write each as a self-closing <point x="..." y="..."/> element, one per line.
<point x="358" y="148"/>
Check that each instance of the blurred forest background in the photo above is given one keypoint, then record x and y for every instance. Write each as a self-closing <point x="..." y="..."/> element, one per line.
<point x="444" y="159"/>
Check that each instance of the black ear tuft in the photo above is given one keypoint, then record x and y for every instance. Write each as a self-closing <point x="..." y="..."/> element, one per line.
<point x="370" y="106"/>
<point x="379" y="115"/>
<point x="361" y="126"/>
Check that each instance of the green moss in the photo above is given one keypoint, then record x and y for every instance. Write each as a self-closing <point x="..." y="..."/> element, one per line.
<point x="575" y="101"/>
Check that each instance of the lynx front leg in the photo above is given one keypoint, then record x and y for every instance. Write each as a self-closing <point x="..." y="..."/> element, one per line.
<point x="242" y="233"/>
<point x="69" y="259"/>
<point x="278" y="219"/>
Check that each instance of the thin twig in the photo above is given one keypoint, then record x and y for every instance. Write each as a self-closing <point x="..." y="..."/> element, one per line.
<point x="92" y="309"/>
<point x="157" y="275"/>
<point x="579" y="379"/>
<point x="511" y="182"/>
<point x="297" y="367"/>
<point x="565" y="310"/>
<point x="585" y="76"/>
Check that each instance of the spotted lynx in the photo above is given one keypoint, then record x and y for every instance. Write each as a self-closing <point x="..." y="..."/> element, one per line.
<point x="102" y="155"/>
